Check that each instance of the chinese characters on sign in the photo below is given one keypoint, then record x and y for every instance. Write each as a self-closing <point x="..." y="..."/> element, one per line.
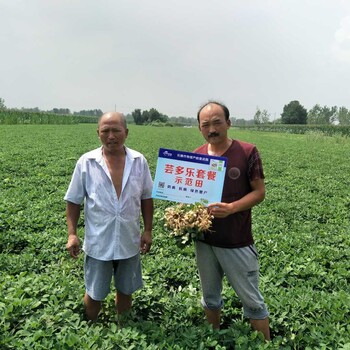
<point x="188" y="177"/>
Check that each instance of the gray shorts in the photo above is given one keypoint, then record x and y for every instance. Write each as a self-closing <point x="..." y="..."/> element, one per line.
<point x="98" y="275"/>
<point x="240" y="266"/>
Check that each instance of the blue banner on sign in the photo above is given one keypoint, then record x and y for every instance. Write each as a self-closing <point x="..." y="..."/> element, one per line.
<point x="187" y="177"/>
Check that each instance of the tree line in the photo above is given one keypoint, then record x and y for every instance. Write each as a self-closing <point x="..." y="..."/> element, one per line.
<point x="293" y="113"/>
<point x="153" y="117"/>
<point x="61" y="111"/>
<point x="38" y="116"/>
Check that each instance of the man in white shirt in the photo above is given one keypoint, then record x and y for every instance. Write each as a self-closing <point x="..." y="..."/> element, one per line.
<point x="115" y="184"/>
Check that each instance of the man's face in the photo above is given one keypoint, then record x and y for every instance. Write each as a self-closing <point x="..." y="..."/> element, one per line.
<point x="213" y="124"/>
<point x="112" y="133"/>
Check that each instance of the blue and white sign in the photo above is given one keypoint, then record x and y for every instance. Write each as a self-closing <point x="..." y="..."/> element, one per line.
<point x="187" y="177"/>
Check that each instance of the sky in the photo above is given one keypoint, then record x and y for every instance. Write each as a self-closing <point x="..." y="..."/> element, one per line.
<point x="174" y="55"/>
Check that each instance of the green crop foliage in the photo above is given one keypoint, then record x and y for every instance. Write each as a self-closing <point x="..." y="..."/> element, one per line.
<point x="301" y="231"/>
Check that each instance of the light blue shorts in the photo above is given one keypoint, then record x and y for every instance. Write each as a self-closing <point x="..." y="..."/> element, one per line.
<point x="240" y="266"/>
<point x="98" y="276"/>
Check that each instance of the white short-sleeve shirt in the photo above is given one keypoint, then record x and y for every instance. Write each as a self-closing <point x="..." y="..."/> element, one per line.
<point x="112" y="224"/>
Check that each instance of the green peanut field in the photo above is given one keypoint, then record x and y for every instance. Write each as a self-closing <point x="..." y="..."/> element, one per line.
<point x="301" y="230"/>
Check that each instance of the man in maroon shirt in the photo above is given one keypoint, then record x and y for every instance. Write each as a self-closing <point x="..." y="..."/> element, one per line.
<point x="229" y="248"/>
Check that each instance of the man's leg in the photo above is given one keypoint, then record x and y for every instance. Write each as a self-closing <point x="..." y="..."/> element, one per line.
<point x="127" y="280"/>
<point x="244" y="279"/>
<point x="92" y="307"/>
<point x="213" y="317"/>
<point x="123" y="302"/>
<point x="210" y="274"/>
<point x="261" y="326"/>
<point x="97" y="275"/>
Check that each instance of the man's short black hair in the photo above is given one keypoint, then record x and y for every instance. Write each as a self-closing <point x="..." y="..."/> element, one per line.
<point x="224" y="108"/>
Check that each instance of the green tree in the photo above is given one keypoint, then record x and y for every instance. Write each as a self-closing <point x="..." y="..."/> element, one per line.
<point x="64" y="111"/>
<point x="239" y="122"/>
<point x="261" y="117"/>
<point x="343" y="116"/>
<point x="145" y="117"/>
<point x="294" y="113"/>
<point x="329" y="114"/>
<point x="181" y="120"/>
<point x="136" y="114"/>
<point x="129" y="118"/>
<point x="257" y="117"/>
<point x="313" y="114"/>
<point x="322" y="115"/>
<point x="90" y="112"/>
<point x="153" y="115"/>
<point x="163" y="118"/>
<point x="2" y="104"/>
<point x="32" y="110"/>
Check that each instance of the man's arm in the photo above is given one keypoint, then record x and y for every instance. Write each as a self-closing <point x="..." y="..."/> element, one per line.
<point x="72" y="215"/>
<point x="147" y="215"/>
<point x="257" y="195"/>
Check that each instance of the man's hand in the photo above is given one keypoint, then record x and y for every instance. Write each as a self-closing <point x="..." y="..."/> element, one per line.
<point x="220" y="210"/>
<point x="146" y="242"/>
<point x="257" y="195"/>
<point x="73" y="246"/>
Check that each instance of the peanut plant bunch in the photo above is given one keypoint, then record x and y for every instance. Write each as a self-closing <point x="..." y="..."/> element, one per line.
<point x="187" y="222"/>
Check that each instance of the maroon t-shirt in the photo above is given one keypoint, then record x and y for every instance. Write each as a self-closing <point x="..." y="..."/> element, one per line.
<point x="243" y="165"/>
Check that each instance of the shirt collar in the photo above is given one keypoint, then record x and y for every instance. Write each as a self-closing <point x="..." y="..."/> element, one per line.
<point x="97" y="154"/>
<point x="130" y="153"/>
